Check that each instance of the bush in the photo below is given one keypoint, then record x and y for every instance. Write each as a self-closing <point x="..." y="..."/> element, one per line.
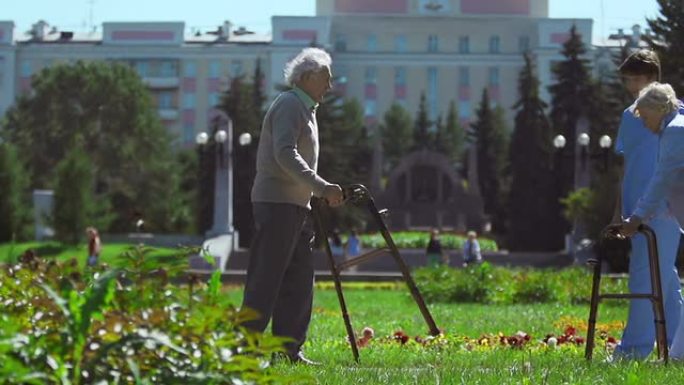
<point x="62" y="325"/>
<point x="497" y="285"/>
<point x="419" y="240"/>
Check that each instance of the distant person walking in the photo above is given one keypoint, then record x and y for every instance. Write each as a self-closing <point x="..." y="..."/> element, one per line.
<point x="353" y="247"/>
<point x="471" y="249"/>
<point x="434" y="251"/>
<point x="336" y="245"/>
<point x="94" y="246"/>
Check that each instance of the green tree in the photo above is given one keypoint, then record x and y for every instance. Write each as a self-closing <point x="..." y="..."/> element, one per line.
<point x="421" y="130"/>
<point x="531" y="198"/>
<point x="668" y="29"/>
<point x="450" y="136"/>
<point x="243" y="103"/>
<point x="572" y="96"/>
<point x="396" y="132"/>
<point x="15" y="216"/>
<point x="258" y="95"/>
<point x="489" y="133"/>
<point x="345" y="153"/>
<point x="74" y="199"/>
<point x="109" y="107"/>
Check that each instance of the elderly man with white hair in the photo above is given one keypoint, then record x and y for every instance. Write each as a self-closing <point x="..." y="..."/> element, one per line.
<point x="658" y="108"/>
<point x="280" y="274"/>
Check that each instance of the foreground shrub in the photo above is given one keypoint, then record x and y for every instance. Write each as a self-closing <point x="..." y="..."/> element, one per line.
<point x="61" y="325"/>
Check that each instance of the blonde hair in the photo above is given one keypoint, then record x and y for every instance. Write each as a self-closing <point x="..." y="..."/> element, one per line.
<point x="309" y="60"/>
<point x="658" y="96"/>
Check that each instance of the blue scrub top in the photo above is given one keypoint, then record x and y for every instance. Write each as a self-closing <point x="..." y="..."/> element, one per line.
<point x="639" y="146"/>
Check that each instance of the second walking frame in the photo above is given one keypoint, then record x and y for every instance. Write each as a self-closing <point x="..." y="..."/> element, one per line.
<point x="655" y="296"/>
<point x="359" y="195"/>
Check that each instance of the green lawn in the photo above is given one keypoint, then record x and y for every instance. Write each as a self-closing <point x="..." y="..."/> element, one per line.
<point x="389" y="362"/>
<point x="111" y="253"/>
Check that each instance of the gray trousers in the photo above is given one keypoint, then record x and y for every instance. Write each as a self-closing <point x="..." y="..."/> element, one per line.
<point x="280" y="274"/>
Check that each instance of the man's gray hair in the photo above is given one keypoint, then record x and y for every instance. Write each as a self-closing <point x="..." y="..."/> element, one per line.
<point x="658" y="96"/>
<point x="309" y="60"/>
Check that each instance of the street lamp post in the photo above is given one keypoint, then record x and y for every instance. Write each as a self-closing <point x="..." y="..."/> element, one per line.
<point x="580" y="156"/>
<point x="223" y="186"/>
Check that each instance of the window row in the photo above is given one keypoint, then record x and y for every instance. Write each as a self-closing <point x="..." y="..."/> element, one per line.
<point x="401" y="45"/>
<point x="371" y="75"/>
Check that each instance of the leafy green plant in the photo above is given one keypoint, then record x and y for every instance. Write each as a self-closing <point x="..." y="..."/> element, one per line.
<point x="64" y="325"/>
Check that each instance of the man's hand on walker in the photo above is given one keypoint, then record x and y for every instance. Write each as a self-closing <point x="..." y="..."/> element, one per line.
<point x="333" y="194"/>
<point x="630" y="226"/>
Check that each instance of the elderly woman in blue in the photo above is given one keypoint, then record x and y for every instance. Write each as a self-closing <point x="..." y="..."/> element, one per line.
<point x="658" y="108"/>
<point x="640" y="149"/>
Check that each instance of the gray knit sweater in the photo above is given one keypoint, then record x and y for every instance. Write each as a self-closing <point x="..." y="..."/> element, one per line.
<point x="287" y="158"/>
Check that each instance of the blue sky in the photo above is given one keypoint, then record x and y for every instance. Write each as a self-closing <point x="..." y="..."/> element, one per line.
<point x="608" y="15"/>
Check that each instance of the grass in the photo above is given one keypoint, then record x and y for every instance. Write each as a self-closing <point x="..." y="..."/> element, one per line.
<point x="111" y="252"/>
<point x="391" y="363"/>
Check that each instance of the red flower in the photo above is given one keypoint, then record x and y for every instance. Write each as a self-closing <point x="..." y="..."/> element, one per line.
<point x="400" y="336"/>
<point x="570" y="331"/>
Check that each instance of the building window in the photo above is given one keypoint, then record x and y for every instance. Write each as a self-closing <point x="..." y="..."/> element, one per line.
<point x="214" y="99"/>
<point x="165" y="100"/>
<point x="372" y="43"/>
<point x="433" y="43"/>
<point x="464" y="109"/>
<point x="400" y="44"/>
<point x="188" y="133"/>
<point x="190" y="69"/>
<point x="432" y="92"/>
<point x="142" y="68"/>
<point x="236" y="68"/>
<point x="214" y="69"/>
<point x="371" y="75"/>
<point x="26" y="69"/>
<point x="189" y="101"/>
<point x="400" y="76"/>
<point x="494" y="76"/>
<point x="494" y="43"/>
<point x="464" y="44"/>
<point x="464" y="76"/>
<point x="370" y="107"/>
<point x="340" y="43"/>
<point x="169" y="69"/>
<point x="523" y="43"/>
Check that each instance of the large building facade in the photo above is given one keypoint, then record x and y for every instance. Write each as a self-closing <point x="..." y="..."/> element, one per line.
<point x="385" y="51"/>
<point x="392" y="51"/>
<point x="186" y="73"/>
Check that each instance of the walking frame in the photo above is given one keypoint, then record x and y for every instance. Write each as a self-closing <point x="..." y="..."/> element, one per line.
<point x="359" y="195"/>
<point x="655" y="296"/>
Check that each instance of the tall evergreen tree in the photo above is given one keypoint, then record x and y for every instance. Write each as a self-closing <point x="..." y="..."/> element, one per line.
<point x="345" y="153"/>
<point x="14" y="197"/>
<point x="668" y="42"/>
<point x="258" y="95"/>
<point x="421" y="131"/>
<point x="397" y="135"/>
<point x="243" y="102"/>
<point x="74" y="199"/>
<point x="531" y="199"/>
<point x="451" y="136"/>
<point x="571" y="97"/>
<point x="490" y="137"/>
